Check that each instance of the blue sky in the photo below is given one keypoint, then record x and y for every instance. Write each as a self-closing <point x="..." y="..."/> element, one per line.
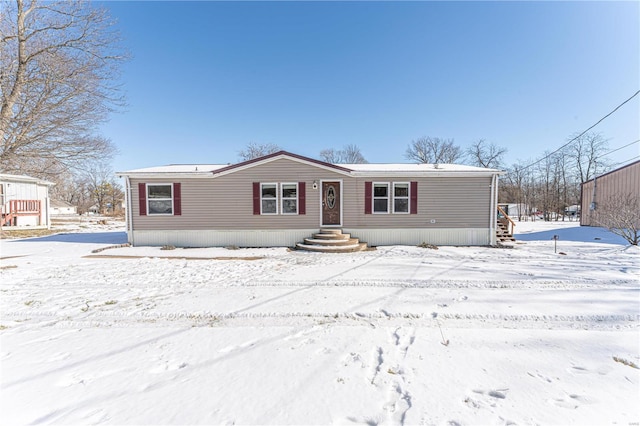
<point x="208" y="78"/>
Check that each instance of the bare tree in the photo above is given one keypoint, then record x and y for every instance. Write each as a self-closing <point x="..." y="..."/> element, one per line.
<point x="72" y="188"/>
<point x="620" y="214"/>
<point x="96" y="178"/>
<point x="518" y="188"/>
<point x="586" y="152"/>
<point x="254" y="150"/>
<point x="65" y="188"/>
<point x="433" y="151"/>
<point x="350" y="154"/>
<point x="115" y="196"/>
<point x="484" y="154"/>
<point x="58" y="65"/>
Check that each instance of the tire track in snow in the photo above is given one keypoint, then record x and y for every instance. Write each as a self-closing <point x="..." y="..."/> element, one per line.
<point x="30" y="284"/>
<point x="215" y="319"/>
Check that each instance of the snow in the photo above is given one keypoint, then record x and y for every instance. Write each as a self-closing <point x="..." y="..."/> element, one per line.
<point x="204" y="169"/>
<point x="405" y="167"/>
<point x="177" y="168"/>
<point x="398" y="335"/>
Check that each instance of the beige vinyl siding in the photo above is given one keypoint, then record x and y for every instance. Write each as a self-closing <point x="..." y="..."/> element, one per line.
<point x="452" y="202"/>
<point x="623" y="181"/>
<point x="226" y="202"/>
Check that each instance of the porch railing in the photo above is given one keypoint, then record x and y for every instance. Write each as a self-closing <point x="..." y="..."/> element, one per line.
<point x="16" y="208"/>
<point x="506" y="220"/>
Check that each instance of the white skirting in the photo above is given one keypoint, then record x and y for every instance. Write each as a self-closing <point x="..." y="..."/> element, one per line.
<point x="289" y="237"/>
<point x="415" y="236"/>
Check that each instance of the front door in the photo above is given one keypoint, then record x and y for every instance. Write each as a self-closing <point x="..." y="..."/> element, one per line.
<point x="331" y="203"/>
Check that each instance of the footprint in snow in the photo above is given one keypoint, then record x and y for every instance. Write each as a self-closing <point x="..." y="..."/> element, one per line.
<point x="236" y="347"/>
<point x="302" y="343"/>
<point x="577" y="369"/>
<point x="168" y="366"/>
<point x="72" y="380"/>
<point x="492" y="393"/>
<point x="540" y="376"/>
<point x="354" y="358"/>
<point x="60" y="356"/>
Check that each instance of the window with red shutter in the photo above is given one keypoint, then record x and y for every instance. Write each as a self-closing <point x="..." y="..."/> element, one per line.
<point x="142" y="198"/>
<point x="256" y="197"/>
<point x="302" y="198"/>
<point x="177" y="199"/>
<point x="414" y="198"/>
<point x="367" y="197"/>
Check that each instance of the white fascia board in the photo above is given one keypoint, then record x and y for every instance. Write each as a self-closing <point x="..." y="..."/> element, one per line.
<point x="24" y="179"/>
<point x="434" y="173"/>
<point x="165" y="175"/>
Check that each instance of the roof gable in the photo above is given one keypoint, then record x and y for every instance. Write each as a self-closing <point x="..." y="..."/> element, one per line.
<point x="277" y="156"/>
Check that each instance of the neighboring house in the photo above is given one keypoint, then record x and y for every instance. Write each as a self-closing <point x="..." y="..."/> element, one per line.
<point x="572" y="211"/>
<point x="25" y="201"/>
<point x="624" y="181"/>
<point x="516" y="210"/>
<point x="282" y="198"/>
<point x="62" y="208"/>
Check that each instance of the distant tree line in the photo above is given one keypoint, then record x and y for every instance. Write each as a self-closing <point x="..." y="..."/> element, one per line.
<point x="551" y="184"/>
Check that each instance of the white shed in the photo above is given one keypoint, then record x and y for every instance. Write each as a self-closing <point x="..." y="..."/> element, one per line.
<point x="62" y="208"/>
<point x="25" y="202"/>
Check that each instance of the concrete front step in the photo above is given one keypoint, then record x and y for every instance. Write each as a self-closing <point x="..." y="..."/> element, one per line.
<point x="331" y="236"/>
<point x="351" y="248"/>
<point x="331" y="231"/>
<point x="331" y="242"/>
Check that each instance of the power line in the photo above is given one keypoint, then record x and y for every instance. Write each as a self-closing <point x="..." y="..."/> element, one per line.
<point x="626" y="161"/>
<point x="574" y="139"/>
<point x="618" y="149"/>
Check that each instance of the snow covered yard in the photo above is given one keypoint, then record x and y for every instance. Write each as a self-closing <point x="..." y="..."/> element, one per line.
<point x="399" y="335"/>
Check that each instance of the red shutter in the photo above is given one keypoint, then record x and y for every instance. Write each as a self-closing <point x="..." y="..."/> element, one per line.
<point x="142" y="198"/>
<point x="177" y="200"/>
<point x="256" y="197"/>
<point x="367" y="197"/>
<point x="302" y="198"/>
<point x="414" y="198"/>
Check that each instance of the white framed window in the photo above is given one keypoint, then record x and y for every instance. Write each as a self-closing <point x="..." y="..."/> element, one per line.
<point x="160" y="199"/>
<point x="268" y="198"/>
<point x="380" y="198"/>
<point x="401" y="197"/>
<point x="289" y="198"/>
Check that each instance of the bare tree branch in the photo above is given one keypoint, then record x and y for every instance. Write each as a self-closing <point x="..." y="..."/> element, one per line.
<point x="350" y="154"/>
<point x="483" y="154"/>
<point x="433" y="151"/>
<point x="255" y="150"/>
<point x="59" y="65"/>
<point x="587" y="151"/>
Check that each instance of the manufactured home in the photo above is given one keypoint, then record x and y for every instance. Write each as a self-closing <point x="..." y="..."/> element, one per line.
<point x="282" y="199"/>
<point x="25" y="202"/>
